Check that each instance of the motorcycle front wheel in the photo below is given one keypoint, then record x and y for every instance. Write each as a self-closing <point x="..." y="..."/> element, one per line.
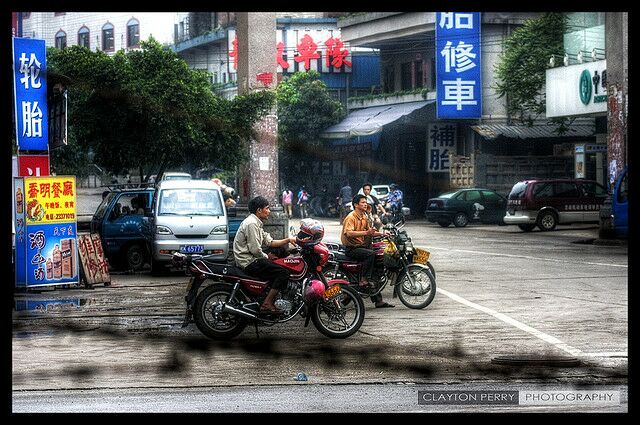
<point x="341" y="316"/>
<point x="210" y="319"/>
<point x="420" y="293"/>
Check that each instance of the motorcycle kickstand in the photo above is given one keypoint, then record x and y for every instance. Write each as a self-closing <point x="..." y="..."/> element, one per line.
<point x="257" y="333"/>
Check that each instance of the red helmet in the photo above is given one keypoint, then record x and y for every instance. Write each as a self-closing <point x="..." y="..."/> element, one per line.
<point x="311" y="232"/>
<point x="314" y="290"/>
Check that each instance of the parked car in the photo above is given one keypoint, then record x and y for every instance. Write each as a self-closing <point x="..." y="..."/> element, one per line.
<point x="546" y="203"/>
<point x="466" y="205"/>
<point x="120" y="224"/>
<point x="381" y="191"/>
<point x="126" y="234"/>
<point x="187" y="216"/>
<point x="614" y="214"/>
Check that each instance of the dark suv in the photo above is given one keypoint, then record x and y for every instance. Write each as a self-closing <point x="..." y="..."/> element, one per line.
<point x="546" y="203"/>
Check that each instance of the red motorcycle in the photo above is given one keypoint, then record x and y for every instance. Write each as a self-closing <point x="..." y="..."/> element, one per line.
<point x="231" y="299"/>
<point x="397" y="262"/>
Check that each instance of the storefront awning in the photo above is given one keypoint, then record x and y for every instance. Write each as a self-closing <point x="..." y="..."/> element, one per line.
<point x="493" y="131"/>
<point x="368" y="121"/>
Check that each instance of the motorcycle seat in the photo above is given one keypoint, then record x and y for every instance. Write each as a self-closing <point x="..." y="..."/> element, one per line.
<point x="341" y="256"/>
<point x="226" y="269"/>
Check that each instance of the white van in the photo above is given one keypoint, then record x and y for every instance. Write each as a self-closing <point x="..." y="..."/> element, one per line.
<point x="188" y="216"/>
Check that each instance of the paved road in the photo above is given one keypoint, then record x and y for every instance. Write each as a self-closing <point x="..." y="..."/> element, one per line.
<point x="502" y="294"/>
<point x="303" y="397"/>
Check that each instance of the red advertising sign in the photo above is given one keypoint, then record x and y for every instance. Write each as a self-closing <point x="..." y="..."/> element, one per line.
<point x="33" y="165"/>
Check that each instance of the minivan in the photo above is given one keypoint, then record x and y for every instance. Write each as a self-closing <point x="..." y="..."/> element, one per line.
<point x="546" y="203"/>
<point x="187" y="216"/>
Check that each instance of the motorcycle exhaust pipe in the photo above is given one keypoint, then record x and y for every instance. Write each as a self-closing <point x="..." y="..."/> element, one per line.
<point x="226" y="308"/>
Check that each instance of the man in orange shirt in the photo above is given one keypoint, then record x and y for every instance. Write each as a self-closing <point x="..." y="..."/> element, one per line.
<point x="356" y="237"/>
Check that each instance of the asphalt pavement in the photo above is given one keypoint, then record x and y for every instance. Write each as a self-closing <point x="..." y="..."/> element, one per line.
<point x="537" y="308"/>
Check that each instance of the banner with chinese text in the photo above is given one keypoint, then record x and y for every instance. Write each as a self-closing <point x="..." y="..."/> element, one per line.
<point x="295" y="51"/>
<point x="30" y="94"/>
<point x="46" y="247"/>
<point x="458" y="65"/>
<point x="441" y="140"/>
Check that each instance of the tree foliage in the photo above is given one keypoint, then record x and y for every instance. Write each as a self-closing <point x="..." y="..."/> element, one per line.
<point x="305" y="109"/>
<point x="520" y="72"/>
<point x="146" y="110"/>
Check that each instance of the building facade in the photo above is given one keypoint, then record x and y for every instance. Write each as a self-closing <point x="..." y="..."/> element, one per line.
<point x="99" y="31"/>
<point x="427" y="154"/>
<point x="304" y="41"/>
<point x="579" y="83"/>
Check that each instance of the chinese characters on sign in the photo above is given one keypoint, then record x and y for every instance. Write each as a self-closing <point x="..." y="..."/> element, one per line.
<point x="458" y="65"/>
<point x="46" y="231"/>
<point x="302" y="52"/>
<point x="30" y="86"/>
<point x="441" y="141"/>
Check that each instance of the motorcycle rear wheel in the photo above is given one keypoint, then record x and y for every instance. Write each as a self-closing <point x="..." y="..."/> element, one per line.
<point x="212" y="323"/>
<point x="340" y="317"/>
<point x="421" y="293"/>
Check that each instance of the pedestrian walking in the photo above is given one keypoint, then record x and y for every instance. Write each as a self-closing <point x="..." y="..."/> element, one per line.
<point x="303" y="202"/>
<point x="287" y="201"/>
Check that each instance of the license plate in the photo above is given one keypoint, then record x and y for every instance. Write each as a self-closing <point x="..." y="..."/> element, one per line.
<point x="192" y="249"/>
<point x="332" y="292"/>
<point x="421" y="256"/>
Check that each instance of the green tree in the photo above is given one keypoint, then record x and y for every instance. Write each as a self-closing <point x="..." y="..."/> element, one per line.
<point x="520" y="72"/>
<point x="146" y="110"/>
<point x="305" y="110"/>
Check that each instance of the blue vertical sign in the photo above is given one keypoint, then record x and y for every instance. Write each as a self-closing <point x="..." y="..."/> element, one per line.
<point x="30" y="94"/>
<point x="458" y="65"/>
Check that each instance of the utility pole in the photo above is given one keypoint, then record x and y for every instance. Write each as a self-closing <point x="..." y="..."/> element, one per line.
<point x="617" y="48"/>
<point x="257" y="70"/>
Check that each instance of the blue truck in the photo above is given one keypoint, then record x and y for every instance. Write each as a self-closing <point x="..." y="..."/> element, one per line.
<point x="614" y="214"/>
<point x="122" y="222"/>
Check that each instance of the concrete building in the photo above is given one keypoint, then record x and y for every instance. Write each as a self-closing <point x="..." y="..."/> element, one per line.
<point x="105" y="31"/>
<point x="208" y="41"/>
<point x="491" y="151"/>
<point x="580" y="85"/>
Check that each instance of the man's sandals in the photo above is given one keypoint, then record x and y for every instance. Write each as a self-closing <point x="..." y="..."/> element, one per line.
<point x="270" y="310"/>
